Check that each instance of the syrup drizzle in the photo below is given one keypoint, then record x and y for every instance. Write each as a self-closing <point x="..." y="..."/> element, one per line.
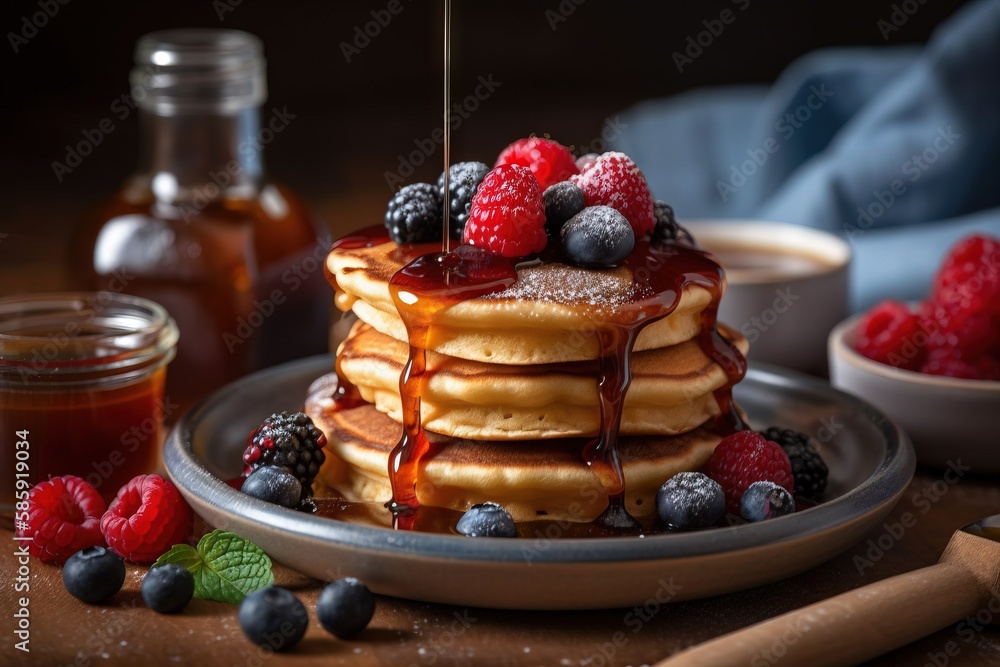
<point x="421" y="290"/>
<point x="601" y="454"/>
<point x="432" y="282"/>
<point x="347" y="395"/>
<point x="660" y="274"/>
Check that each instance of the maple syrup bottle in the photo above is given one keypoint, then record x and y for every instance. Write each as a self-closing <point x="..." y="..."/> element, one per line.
<point x="236" y="259"/>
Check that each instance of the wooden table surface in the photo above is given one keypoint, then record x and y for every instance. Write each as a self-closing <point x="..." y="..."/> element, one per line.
<point x="65" y="631"/>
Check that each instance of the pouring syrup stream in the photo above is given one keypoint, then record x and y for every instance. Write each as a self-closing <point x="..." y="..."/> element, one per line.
<point x="446" y="230"/>
<point x="420" y="290"/>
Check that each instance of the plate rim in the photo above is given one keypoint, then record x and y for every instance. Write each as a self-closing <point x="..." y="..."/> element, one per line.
<point x="885" y="485"/>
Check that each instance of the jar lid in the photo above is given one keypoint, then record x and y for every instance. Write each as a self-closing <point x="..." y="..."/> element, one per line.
<point x="101" y="338"/>
<point x="198" y="71"/>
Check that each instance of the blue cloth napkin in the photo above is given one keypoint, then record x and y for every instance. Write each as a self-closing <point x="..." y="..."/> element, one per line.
<point x="896" y="149"/>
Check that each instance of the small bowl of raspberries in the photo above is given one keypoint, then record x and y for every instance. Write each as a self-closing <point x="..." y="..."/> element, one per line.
<point x="934" y="365"/>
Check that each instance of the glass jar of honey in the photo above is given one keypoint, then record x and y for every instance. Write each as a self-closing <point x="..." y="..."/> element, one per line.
<point x="236" y="259"/>
<point x="81" y="389"/>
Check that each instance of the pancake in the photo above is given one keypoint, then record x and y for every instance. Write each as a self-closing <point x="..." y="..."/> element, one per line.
<point x="671" y="390"/>
<point x="531" y="479"/>
<point x="548" y="316"/>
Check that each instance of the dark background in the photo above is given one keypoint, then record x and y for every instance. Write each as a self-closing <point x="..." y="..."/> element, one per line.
<point x="354" y="119"/>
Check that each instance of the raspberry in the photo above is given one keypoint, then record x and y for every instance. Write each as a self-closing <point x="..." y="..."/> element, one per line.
<point x="288" y="440"/>
<point x="956" y="332"/>
<point x="614" y="180"/>
<point x="951" y="367"/>
<point x="64" y="517"/>
<point x="744" y="458"/>
<point x="146" y="518"/>
<point x="962" y="314"/>
<point x="972" y="270"/>
<point x="508" y="213"/>
<point x="548" y="160"/>
<point x="887" y="334"/>
<point x="989" y="366"/>
<point x="966" y="335"/>
<point x="949" y="362"/>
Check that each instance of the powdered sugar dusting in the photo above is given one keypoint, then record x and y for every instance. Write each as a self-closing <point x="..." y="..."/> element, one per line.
<point x="570" y="285"/>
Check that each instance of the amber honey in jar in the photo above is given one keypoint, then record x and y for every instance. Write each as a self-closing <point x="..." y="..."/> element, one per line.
<point x="199" y="228"/>
<point x="81" y="389"/>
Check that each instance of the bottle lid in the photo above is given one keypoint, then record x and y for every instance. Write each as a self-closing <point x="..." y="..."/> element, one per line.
<point x="198" y="71"/>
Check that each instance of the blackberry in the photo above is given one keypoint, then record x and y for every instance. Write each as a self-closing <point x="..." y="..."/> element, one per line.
<point x="463" y="181"/>
<point x="808" y="469"/>
<point x="414" y="214"/>
<point x="486" y="520"/>
<point x="690" y="500"/>
<point x="597" y="236"/>
<point x="167" y="588"/>
<point x="765" y="500"/>
<point x="273" y="618"/>
<point x="345" y="607"/>
<point x="563" y="200"/>
<point x="94" y="574"/>
<point x="667" y="230"/>
<point x="288" y="440"/>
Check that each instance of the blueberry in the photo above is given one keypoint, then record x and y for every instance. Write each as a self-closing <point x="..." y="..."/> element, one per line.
<point x="94" y="574"/>
<point x="690" y="500"/>
<point x="345" y="607"/>
<point x="414" y="214"/>
<point x="273" y="618"/>
<point x="167" y="588"/>
<point x="486" y="520"/>
<point x="562" y="201"/>
<point x="274" y="484"/>
<point x="765" y="500"/>
<point x="597" y="236"/>
<point x="463" y="181"/>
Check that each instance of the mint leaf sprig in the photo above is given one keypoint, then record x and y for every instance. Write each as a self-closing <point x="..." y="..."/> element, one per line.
<point x="226" y="567"/>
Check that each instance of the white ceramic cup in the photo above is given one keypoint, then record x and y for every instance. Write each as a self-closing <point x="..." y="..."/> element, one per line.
<point x="787" y="287"/>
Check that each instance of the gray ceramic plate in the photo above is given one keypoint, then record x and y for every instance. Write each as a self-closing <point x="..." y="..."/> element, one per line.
<point x="870" y="459"/>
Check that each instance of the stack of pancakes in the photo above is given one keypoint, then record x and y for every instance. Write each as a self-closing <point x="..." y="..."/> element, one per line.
<point x="510" y="396"/>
